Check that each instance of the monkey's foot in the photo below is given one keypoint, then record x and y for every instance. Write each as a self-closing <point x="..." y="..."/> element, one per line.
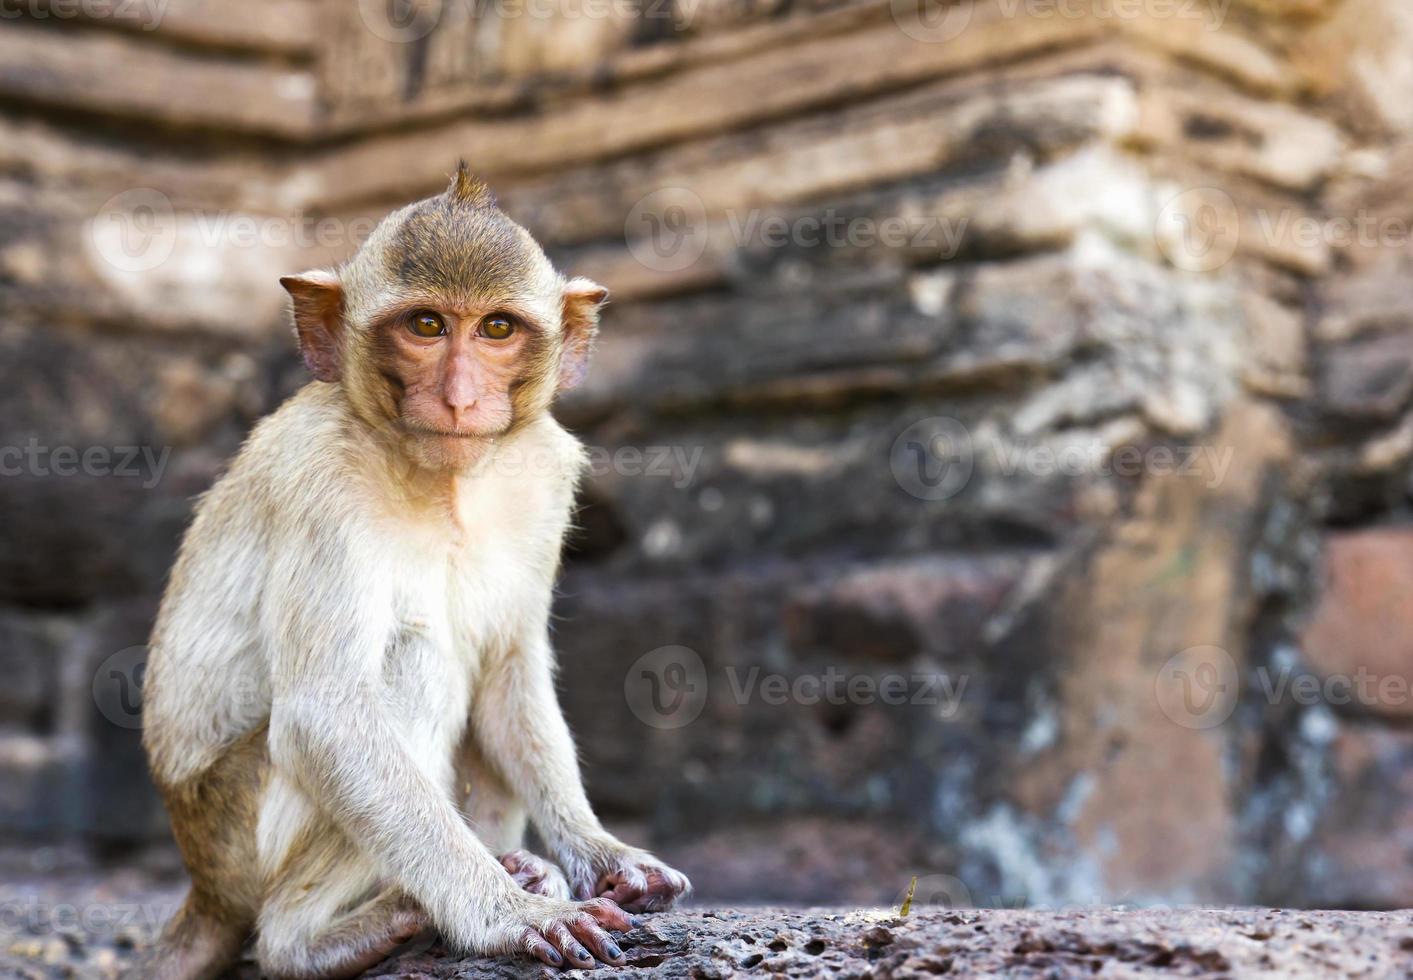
<point x="411" y="932"/>
<point x="535" y="874"/>
<point x="389" y="926"/>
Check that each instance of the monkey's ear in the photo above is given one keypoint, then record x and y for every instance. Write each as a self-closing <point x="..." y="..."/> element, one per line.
<point x="318" y="320"/>
<point x="583" y="298"/>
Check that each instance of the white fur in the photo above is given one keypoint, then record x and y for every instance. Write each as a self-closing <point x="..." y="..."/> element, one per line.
<point x="366" y="614"/>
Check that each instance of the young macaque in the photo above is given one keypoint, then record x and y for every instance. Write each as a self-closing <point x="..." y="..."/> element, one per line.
<point x="350" y="706"/>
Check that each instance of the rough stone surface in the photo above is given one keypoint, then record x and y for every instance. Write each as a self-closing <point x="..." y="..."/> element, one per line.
<point x="1371" y="379"/>
<point x="1364" y="844"/>
<point x="1361" y="634"/>
<point x="46" y="942"/>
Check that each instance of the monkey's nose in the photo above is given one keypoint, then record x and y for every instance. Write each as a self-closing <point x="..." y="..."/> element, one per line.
<point x="460" y="397"/>
<point x="461" y="412"/>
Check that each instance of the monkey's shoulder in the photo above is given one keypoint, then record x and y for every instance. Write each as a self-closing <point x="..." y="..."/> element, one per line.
<point x="308" y="434"/>
<point x="300" y="456"/>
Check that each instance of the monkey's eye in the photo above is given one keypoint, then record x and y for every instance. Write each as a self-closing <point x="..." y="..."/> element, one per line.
<point x="427" y="325"/>
<point x="497" y="328"/>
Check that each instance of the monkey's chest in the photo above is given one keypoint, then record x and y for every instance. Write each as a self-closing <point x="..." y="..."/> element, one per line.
<point x="425" y="682"/>
<point x="461" y="607"/>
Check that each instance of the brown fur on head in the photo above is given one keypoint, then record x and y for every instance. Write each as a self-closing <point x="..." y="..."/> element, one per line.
<point x="458" y="260"/>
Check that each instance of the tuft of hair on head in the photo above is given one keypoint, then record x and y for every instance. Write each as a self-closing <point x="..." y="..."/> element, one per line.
<point x="468" y="189"/>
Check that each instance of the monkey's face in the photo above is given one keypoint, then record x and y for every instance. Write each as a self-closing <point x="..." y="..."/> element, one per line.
<point x="456" y="377"/>
<point x="449" y="329"/>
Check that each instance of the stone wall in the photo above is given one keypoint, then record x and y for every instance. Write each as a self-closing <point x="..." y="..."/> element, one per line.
<point x="1042" y="365"/>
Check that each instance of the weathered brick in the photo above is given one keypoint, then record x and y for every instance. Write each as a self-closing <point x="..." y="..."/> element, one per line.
<point x="1361" y="855"/>
<point x="900" y="610"/>
<point x="1372" y="379"/>
<point x="1362" y="629"/>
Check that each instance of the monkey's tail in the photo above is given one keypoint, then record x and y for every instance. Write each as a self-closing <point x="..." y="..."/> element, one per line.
<point x="195" y="945"/>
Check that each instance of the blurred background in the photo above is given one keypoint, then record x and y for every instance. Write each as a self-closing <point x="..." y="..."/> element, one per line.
<point x="1000" y="433"/>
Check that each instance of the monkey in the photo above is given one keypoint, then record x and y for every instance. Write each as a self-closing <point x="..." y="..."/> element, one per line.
<point x="349" y="708"/>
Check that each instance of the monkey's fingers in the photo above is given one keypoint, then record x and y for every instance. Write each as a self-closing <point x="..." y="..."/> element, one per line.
<point x="560" y="935"/>
<point x="657" y="890"/>
<point x="587" y="931"/>
<point x="607" y="913"/>
<point x="541" y="948"/>
<point x="623" y="886"/>
<point x="530" y="882"/>
<point x="622" y="894"/>
<point x="664" y="887"/>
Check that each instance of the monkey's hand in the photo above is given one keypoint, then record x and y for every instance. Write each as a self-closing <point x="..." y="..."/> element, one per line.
<point x="564" y="933"/>
<point x="535" y="874"/>
<point x="629" y="876"/>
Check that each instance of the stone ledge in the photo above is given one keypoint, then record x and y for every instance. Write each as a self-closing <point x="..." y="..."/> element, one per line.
<point x="712" y="943"/>
<point x="1017" y="944"/>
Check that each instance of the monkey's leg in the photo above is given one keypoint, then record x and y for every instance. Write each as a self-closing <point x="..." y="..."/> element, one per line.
<point x="498" y="818"/>
<point x="492" y="809"/>
<point x="213" y="818"/>
<point x="326" y="915"/>
<point x="195" y="945"/>
<point x="293" y="947"/>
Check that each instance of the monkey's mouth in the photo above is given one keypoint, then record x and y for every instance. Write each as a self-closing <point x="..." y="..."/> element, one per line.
<point x="423" y="431"/>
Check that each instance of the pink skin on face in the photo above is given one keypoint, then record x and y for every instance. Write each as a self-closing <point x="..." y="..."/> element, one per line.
<point x="456" y="385"/>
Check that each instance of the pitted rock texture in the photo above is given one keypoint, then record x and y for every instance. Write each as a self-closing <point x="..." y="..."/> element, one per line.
<point x="706" y="944"/>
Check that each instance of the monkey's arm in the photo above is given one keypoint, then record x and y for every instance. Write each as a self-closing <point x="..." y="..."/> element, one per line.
<point x="328" y="732"/>
<point x="519" y="726"/>
<point x="331" y="731"/>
